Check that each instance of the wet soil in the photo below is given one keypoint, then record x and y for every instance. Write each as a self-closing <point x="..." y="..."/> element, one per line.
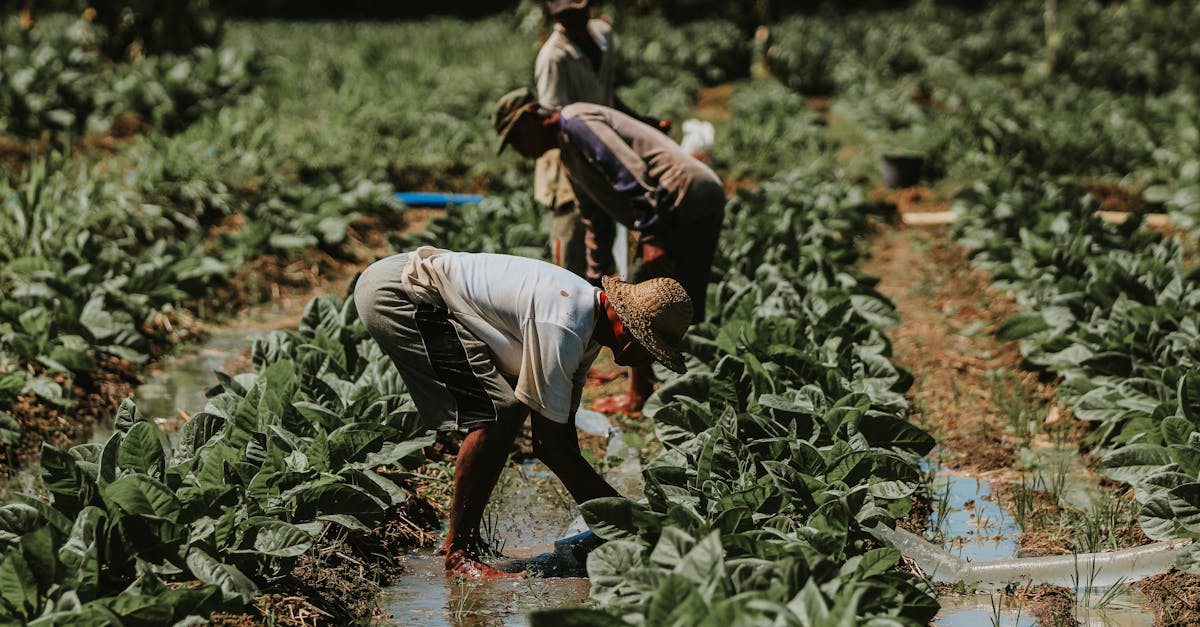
<point x="948" y="314"/>
<point x="94" y="395"/>
<point x="1175" y="598"/>
<point x="97" y="395"/>
<point x="712" y="103"/>
<point x="1116" y="198"/>
<point x="912" y="199"/>
<point x="339" y="580"/>
<point x="993" y="420"/>
<point x="15" y="152"/>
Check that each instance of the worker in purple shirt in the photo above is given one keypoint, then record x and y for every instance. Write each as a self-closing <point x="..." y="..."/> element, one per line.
<point x="577" y="63"/>
<point x="623" y="168"/>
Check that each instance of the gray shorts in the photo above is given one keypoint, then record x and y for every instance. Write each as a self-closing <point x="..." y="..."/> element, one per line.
<point x="449" y="373"/>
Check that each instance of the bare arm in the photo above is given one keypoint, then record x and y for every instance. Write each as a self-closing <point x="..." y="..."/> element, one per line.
<point x="557" y="445"/>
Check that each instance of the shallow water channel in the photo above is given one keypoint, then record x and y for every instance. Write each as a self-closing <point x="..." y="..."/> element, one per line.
<point x="175" y="388"/>
<point x="530" y="511"/>
<point x="975" y="527"/>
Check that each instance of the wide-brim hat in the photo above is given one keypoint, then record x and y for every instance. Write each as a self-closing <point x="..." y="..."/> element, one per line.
<point x="656" y="312"/>
<point x="508" y="111"/>
<point x="554" y="7"/>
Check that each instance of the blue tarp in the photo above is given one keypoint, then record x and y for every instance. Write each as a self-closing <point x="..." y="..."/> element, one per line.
<point x="436" y="199"/>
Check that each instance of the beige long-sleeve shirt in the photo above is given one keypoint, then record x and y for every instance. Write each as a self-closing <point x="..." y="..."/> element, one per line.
<point x="564" y="74"/>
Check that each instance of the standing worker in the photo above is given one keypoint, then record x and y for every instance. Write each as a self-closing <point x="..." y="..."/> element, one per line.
<point x="575" y="64"/>
<point x="483" y="340"/>
<point x="635" y="174"/>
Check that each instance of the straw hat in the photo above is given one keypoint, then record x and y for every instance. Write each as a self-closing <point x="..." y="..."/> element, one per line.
<point x="656" y="312"/>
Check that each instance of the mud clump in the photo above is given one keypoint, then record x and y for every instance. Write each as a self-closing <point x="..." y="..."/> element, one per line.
<point x="1050" y="605"/>
<point x="338" y="581"/>
<point x="1174" y="597"/>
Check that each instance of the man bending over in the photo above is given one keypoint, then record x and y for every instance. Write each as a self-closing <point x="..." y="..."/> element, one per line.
<point x="626" y="170"/>
<point x="483" y="340"/>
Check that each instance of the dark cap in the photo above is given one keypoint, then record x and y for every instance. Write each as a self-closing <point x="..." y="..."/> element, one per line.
<point x="508" y="110"/>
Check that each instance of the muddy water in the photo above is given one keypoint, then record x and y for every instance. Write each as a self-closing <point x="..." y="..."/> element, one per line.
<point x="973" y="611"/>
<point x="178" y="387"/>
<point x="527" y="514"/>
<point x="977" y="528"/>
<point x="529" y="511"/>
<point x="1126" y="609"/>
<point x="972" y="524"/>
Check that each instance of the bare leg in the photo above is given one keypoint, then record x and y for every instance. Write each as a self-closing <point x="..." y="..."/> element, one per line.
<point x="480" y="460"/>
<point x="557" y="445"/>
<point x="641" y="386"/>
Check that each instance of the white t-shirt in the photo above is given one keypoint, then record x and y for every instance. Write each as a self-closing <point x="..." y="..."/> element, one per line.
<point x="536" y="318"/>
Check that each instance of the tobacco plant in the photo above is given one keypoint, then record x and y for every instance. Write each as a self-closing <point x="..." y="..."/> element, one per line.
<point x="139" y="533"/>
<point x="1113" y="311"/>
<point x="784" y="445"/>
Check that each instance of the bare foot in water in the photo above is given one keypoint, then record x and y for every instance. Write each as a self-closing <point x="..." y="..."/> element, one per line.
<point x="620" y="404"/>
<point x="460" y="562"/>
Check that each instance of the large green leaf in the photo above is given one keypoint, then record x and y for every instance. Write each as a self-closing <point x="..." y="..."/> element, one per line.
<point x="141" y="451"/>
<point x="888" y="432"/>
<point x="1185" y="505"/>
<point x="1021" y="325"/>
<point x="353" y="442"/>
<point x="18" y="519"/>
<point x="1134" y="462"/>
<point x="1158" y="520"/>
<point x="80" y="554"/>
<point x="143" y="496"/>
<point x="18" y="586"/>
<point x="337" y="498"/>
<point x="705" y="563"/>
<point x="280" y="539"/>
<point x="234" y="585"/>
<point x="616" y="518"/>
<point x="1175" y="430"/>
<point x="72" y="489"/>
<point x="676" y="601"/>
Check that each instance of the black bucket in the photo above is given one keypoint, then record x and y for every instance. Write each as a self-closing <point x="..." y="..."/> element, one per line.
<point x="902" y="169"/>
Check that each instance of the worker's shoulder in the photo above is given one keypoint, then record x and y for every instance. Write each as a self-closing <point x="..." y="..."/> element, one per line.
<point x="586" y="109"/>
<point x="556" y="48"/>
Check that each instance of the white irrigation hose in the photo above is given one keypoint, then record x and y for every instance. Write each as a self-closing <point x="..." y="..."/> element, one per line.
<point x="1081" y="570"/>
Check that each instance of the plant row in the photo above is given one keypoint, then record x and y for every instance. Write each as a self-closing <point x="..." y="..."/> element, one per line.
<point x="783" y="446"/>
<point x="100" y="258"/>
<point x="980" y="91"/>
<point x="319" y="433"/>
<point x="1115" y="312"/>
<point x="57" y="80"/>
<point x="91" y="269"/>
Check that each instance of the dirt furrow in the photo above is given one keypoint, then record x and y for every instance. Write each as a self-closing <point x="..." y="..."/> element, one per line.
<point x="993" y="420"/>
